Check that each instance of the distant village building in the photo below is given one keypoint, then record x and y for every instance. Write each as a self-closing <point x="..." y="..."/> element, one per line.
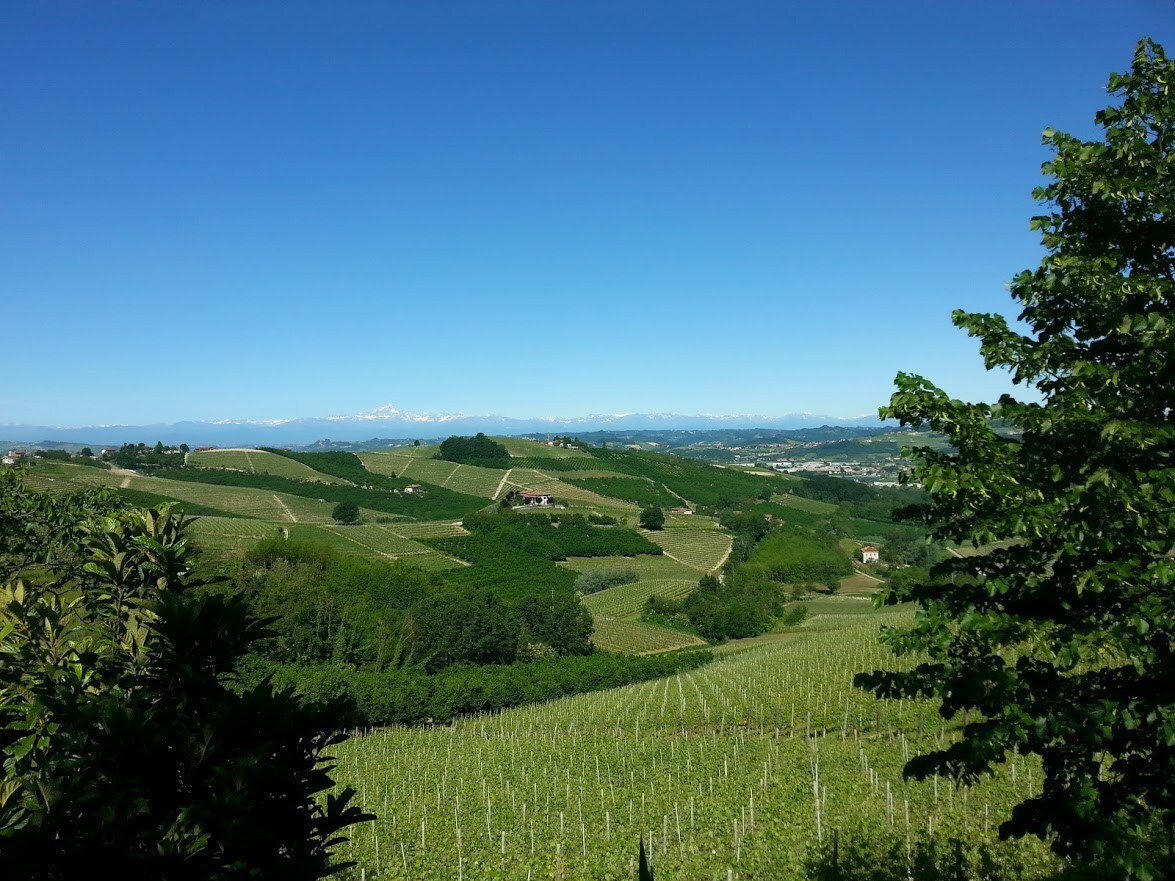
<point x="13" y="457"/>
<point x="870" y="554"/>
<point x="680" y="509"/>
<point x="414" y="488"/>
<point x="197" y="450"/>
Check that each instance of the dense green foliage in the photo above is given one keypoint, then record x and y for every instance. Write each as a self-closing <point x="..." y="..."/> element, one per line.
<point x="346" y="512"/>
<point x="592" y="582"/>
<point x="63" y="456"/>
<point x="652" y="518"/>
<point x="744" y="603"/>
<point x="437" y="503"/>
<point x="405" y="696"/>
<point x="466" y="626"/>
<point x="121" y="745"/>
<point x="795" y="557"/>
<point x="372" y="615"/>
<point x="1061" y="639"/>
<point x="514" y="554"/>
<point x="142" y="456"/>
<point x="474" y="450"/>
<point x="330" y="607"/>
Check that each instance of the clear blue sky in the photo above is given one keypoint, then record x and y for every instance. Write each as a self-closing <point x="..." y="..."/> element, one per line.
<point x="278" y="209"/>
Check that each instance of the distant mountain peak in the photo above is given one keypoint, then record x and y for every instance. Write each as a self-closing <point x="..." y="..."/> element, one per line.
<point x="391" y="422"/>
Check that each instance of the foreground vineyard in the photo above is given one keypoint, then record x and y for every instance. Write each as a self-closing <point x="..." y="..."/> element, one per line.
<point x="738" y="770"/>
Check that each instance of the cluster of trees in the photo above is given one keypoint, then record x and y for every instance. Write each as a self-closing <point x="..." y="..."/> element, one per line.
<point x="652" y="518"/>
<point x="515" y="553"/>
<point x="125" y="737"/>
<point x="742" y="604"/>
<point x="797" y="557"/>
<point x="406" y="696"/>
<point x="593" y="582"/>
<point x="84" y="457"/>
<point x="330" y="608"/>
<point x="142" y="456"/>
<point x="476" y="450"/>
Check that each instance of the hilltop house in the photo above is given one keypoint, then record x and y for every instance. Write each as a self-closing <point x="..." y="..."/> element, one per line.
<point x="529" y="498"/>
<point x="870" y="554"/>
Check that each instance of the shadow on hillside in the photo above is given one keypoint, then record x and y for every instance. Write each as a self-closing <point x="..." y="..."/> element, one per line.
<point x="890" y="858"/>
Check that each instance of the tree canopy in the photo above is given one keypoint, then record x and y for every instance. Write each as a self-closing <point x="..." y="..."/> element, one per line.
<point x="478" y="448"/>
<point x="121" y="741"/>
<point x="1061" y="638"/>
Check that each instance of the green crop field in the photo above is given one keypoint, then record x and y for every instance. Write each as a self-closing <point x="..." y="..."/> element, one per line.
<point x="811" y="506"/>
<point x="860" y="583"/>
<point x="521" y="447"/>
<point x="375" y="541"/>
<point x="245" y="501"/>
<point x="704" y="550"/>
<point x="627" y="600"/>
<point x="488" y="483"/>
<point x="689" y="521"/>
<point x="430" y="530"/>
<point x="739" y="770"/>
<point x="258" y="462"/>
<point x="631" y="637"/>
<point x="649" y="568"/>
<point x="231" y="533"/>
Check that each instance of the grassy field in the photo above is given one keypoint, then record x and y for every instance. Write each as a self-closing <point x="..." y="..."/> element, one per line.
<point x="258" y="462"/>
<point x="860" y="583"/>
<point x="738" y="771"/>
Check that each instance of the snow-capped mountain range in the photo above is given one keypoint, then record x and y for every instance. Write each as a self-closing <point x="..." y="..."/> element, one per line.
<point x="389" y="422"/>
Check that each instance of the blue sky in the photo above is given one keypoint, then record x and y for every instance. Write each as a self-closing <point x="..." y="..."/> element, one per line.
<point x="279" y="209"/>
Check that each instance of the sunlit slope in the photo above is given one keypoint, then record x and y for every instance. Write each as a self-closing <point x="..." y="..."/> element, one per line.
<point x="737" y="770"/>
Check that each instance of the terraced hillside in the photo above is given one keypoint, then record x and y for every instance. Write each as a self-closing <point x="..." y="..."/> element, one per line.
<point x="258" y="462"/>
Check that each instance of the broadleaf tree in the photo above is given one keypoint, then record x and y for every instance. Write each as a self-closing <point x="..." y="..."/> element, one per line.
<point x="1058" y="640"/>
<point x="123" y="742"/>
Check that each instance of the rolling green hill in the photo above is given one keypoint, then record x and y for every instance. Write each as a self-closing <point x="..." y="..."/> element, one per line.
<point x="244" y="495"/>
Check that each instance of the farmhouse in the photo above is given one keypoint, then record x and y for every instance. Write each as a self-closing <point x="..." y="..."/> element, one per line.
<point x="414" y="488"/>
<point x="530" y="498"/>
<point x="680" y="509"/>
<point x="870" y="554"/>
<point x="12" y="457"/>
